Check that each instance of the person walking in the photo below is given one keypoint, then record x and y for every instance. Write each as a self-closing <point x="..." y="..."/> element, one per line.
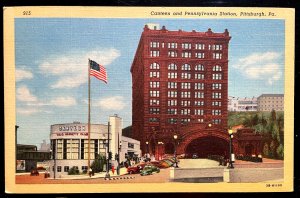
<point x="113" y="169"/>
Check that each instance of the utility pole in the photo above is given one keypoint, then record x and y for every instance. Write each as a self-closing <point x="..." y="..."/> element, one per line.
<point x="107" y="175"/>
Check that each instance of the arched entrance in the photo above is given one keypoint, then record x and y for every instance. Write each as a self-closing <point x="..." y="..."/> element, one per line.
<point x="209" y="145"/>
<point x="249" y="149"/>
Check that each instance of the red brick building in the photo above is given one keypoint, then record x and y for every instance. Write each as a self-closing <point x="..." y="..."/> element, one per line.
<point x="180" y="86"/>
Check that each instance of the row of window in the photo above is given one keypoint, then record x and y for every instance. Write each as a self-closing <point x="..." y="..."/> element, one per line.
<point x="173" y="111"/>
<point x="174" y="54"/>
<point x="198" y="46"/>
<point x="173" y="75"/>
<point x="185" y="67"/>
<point x="185" y="94"/>
<point x="186" y="120"/>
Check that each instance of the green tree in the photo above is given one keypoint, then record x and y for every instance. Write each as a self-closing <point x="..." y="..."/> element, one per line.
<point x="98" y="164"/>
<point x="73" y="171"/>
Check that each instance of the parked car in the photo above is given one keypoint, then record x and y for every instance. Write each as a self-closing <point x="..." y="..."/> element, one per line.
<point x="34" y="172"/>
<point x="149" y="169"/>
<point x="135" y="169"/>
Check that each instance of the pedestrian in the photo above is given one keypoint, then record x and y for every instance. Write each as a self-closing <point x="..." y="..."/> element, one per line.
<point x="113" y="169"/>
<point x="90" y="172"/>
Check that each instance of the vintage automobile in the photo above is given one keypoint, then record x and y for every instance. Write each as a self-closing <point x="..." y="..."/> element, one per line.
<point x="149" y="169"/>
<point x="135" y="169"/>
<point x="34" y="172"/>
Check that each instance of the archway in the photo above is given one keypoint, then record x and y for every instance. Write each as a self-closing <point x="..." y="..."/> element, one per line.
<point x="207" y="145"/>
<point x="249" y="149"/>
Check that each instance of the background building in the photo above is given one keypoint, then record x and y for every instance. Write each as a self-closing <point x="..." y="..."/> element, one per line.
<point x="28" y="157"/>
<point x="242" y="104"/>
<point x="69" y="145"/>
<point x="180" y="86"/>
<point x="268" y="102"/>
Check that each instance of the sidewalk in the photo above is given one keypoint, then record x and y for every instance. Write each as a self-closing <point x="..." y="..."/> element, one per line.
<point x="123" y="171"/>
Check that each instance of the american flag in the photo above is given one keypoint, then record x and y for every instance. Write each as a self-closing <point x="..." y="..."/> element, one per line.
<point x="98" y="71"/>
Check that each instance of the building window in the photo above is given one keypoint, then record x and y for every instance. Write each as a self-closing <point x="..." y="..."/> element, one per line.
<point x="186" y="54"/>
<point x="172" y="75"/>
<point x="153" y="120"/>
<point x="216" y="112"/>
<point x="216" y="95"/>
<point x="199" y="103"/>
<point x="154" y="93"/>
<point x="66" y="168"/>
<point x="172" y="102"/>
<point x="154" y="74"/>
<point x="172" y="66"/>
<point x="185" y="94"/>
<point x="172" y="120"/>
<point x="58" y="168"/>
<point x="172" y="111"/>
<point x="154" y="102"/>
<point x="199" y="76"/>
<point x="154" y="44"/>
<point x="154" y="66"/>
<point x="217" y="68"/>
<point x="199" y="55"/>
<point x="172" y="54"/>
<point x="216" y="103"/>
<point x="154" y="110"/>
<point x="217" y="55"/>
<point x="185" y="103"/>
<point x="199" y="46"/>
<point x="185" y="111"/>
<point x="200" y="120"/>
<point x="154" y="84"/>
<point x="172" y="85"/>
<point x="199" y="112"/>
<point x="186" y="67"/>
<point x="186" y="45"/>
<point x="199" y="94"/>
<point x="199" y="86"/>
<point x="217" y="47"/>
<point x="172" y="94"/>
<point x="185" y="85"/>
<point x="185" y="75"/>
<point x="185" y="120"/>
<point x="216" y="121"/>
<point x="216" y="86"/>
<point x="84" y="168"/>
<point x="172" y="45"/>
<point x="154" y="53"/>
<point x="217" y="76"/>
<point x="199" y="68"/>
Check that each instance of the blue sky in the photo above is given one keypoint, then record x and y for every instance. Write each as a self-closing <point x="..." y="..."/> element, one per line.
<point x="52" y="58"/>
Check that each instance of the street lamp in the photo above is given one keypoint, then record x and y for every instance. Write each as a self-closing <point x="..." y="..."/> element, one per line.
<point x="118" y="158"/>
<point x="147" y="150"/>
<point x="16" y="143"/>
<point x="54" y="160"/>
<point x="175" y="149"/>
<point x="230" y="165"/>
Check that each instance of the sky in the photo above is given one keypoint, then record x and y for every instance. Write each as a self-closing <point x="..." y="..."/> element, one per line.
<point x="52" y="63"/>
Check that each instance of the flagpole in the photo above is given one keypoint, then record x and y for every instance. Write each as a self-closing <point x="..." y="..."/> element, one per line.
<point x="89" y="116"/>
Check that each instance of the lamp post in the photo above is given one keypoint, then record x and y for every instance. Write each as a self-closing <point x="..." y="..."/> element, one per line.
<point x="107" y="175"/>
<point x="147" y="150"/>
<point x="230" y="165"/>
<point x="118" y="158"/>
<point x="52" y="151"/>
<point x="175" y="150"/>
<point x="16" y="143"/>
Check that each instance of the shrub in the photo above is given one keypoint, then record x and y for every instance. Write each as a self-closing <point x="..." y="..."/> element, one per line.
<point x="73" y="171"/>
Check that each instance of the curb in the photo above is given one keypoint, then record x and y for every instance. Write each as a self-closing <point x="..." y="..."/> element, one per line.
<point x="118" y="178"/>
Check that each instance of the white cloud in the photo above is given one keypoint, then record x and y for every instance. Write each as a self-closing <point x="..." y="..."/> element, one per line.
<point x="27" y="111"/>
<point x="22" y="74"/>
<point x="110" y="103"/>
<point x="72" y="68"/>
<point x="63" y="101"/>
<point x="260" y="66"/>
<point x="23" y="94"/>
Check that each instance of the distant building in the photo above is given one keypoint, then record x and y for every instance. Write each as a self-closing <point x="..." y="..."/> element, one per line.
<point x="242" y="104"/>
<point x="269" y="102"/>
<point x="45" y="146"/>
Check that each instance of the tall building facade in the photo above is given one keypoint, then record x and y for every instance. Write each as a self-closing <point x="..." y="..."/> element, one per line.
<point x="268" y="102"/>
<point x="180" y="86"/>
